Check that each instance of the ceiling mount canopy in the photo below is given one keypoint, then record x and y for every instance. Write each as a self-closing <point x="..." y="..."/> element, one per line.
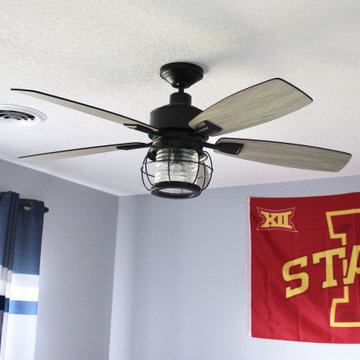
<point x="181" y="75"/>
<point x="176" y="165"/>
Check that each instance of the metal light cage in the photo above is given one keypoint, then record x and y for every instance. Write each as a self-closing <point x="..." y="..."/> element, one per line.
<point x="170" y="159"/>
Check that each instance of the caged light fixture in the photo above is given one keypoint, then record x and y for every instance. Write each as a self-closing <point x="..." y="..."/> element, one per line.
<point x="176" y="172"/>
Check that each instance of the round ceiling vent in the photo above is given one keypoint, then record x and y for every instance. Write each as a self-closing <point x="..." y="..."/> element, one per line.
<point x="17" y="115"/>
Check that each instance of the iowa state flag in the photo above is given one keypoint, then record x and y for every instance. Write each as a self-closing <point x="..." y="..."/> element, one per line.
<point x="305" y="268"/>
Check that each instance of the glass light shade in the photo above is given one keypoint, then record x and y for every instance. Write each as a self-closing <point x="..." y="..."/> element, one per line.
<point x="176" y="165"/>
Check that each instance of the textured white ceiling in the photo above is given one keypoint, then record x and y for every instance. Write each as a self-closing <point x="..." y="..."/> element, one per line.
<point x="108" y="54"/>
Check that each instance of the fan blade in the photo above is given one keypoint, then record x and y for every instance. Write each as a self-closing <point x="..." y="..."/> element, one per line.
<point x="253" y="106"/>
<point x="92" y="110"/>
<point x="64" y="154"/>
<point x="285" y="154"/>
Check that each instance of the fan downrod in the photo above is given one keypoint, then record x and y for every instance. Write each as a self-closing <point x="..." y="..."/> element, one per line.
<point x="181" y="75"/>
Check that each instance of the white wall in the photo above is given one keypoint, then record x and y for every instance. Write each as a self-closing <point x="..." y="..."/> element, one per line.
<point x="77" y="263"/>
<point x="186" y="289"/>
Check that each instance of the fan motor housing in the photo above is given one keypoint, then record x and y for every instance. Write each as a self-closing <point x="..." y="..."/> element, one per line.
<point x="173" y="116"/>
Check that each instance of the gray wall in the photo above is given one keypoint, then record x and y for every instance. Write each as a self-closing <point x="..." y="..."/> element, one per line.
<point x="179" y="285"/>
<point x="77" y="263"/>
<point x="184" y="296"/>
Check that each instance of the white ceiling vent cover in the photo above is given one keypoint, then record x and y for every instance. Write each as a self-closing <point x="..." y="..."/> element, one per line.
<point x="17" y="115"/>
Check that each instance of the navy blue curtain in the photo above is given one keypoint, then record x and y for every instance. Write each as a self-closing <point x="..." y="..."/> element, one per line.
<point x="21" y="224"/>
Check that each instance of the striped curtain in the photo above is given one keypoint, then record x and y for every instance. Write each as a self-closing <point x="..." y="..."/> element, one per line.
<point x="21" y="223"/>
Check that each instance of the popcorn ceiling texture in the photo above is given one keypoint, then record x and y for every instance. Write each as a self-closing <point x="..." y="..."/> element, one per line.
<point x="108" y="54"/>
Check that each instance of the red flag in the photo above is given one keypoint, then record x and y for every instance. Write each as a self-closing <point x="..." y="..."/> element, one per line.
<point x="305" y="268"/>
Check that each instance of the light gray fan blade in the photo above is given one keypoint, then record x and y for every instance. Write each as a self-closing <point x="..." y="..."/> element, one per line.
<point x="64" y="154"/>
<point x="88" y="109"/>
<point x="253" y="106"/>
<point x="285" y="154"/>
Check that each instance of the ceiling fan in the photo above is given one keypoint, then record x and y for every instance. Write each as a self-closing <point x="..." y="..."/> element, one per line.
<point x="176" y="165"/>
